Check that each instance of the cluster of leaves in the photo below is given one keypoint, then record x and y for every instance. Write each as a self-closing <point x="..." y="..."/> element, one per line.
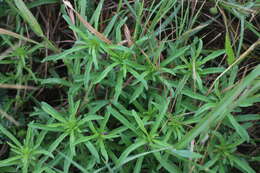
<point x="135" y="101"/>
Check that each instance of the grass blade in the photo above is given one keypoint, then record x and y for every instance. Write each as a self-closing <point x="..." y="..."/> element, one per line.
<point x="229" y="50"/>
<point x="28" y="17"/>
<point x="86" y="24"/>
<point x="20" y="37"/>
<point x="220" y="110"/>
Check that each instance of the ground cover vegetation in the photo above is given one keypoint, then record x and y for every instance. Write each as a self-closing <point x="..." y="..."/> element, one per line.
<point x="129" y="86"/>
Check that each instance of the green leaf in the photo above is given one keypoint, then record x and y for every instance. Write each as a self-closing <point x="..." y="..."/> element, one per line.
<point x="176" y="54"/>
<point x="242" y="164"/>
<point x="247" y="117"/>
<point x="10" y="135"/>
<point x="28" y="17"/>
<point x="250" y="101"/>
<point x="38" y="3"/>
<point x="212" y="56"/>
<point x="10" y="161"/>
<point x="186" y="154"/>
<point x="139" y="122"/>
<point x="239" y="129"/>
<point x="136" y="93"/>
<point x="85" y="139"/>
<point x="139" y="77"/>
<point x="73" y="107"/>
<point x="44" y="152"/>
<point x="71" y="143"/>
<point x="48" y="127"/>
<point x="56" y="81"/>
<point x="69" y="160"/>
<point x="167" y="70"/>
<point x="57" y="142"/>
<point x="212" y="70"/>
<point x="104" y="73"/>
<point x="138" y="165"/>
<point x="111" y="25"/>
<point x="64" y="54"/>
<point x="103" y="150"/>
<point x="89" y="118"/>
<point x="133" y="157"/>
<point x="171" y="167"/>
<point x="256" y="159"/>
<point x="95" y="16"/>
<point x="122" y="119"/>
<point x="128" y="150"/>
<point x="93" y="151"/>
<point x="115" y="133"/>
<point x="188" y="92"/>
<point x="204" y="108"/>
<point x="229" y="50"/>
<point x="162" y="106"/>
<point x="119" y="85"/>
<point x="51" y="111"/>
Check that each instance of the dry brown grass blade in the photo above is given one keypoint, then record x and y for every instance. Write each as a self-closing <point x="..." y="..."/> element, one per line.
<point x="9" y="86"/>
<point x="12" y="34"/>
<point x="86" y="24"/>
<point x="128" y="35"/>
<point x="8" y="117"/>
<point x="93" y="30"/>
<point x="72" y="18"/>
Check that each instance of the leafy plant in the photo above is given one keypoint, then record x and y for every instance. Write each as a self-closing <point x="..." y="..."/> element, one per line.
<point x="135" y="86"/>
<point x="25" y="155"/>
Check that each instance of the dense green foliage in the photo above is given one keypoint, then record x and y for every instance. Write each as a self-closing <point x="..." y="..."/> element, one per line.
<point x="137" y="89"/>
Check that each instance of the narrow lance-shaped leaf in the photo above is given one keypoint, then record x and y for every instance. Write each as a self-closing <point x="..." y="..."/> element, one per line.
<point x="121" y="118"/>
<point x="139" y="122"/>
<point x="104" y="73"/>
<point x="212" y="56"/>
<point x="132" y="157"/>
<point x="103" y="150"/>
<point x="56" y="143"/>
<point x="186" y="154"/>
<point x="119" y="85"/>
<point x="68" y="160"/>
<point x="127" y="151"/>
<point x="239" y="129"/>
<point x="242" y="164"/>
<point x="93" y="151"/>
<point x="9" y="135"/>
<point x="89" y="118"/>
<point x="176" y="54"/>
<point x="137" y="92"/>
<point x="229" y="50"/>
<point x="37" y="3"/>
<point x="96" y="15"/>
<point x="57" y="81"/>
<point x="51" y="111"/>
<point x="10" y="161"/>
<point x="28" y="17"/>
<point x="171" y="167"/>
